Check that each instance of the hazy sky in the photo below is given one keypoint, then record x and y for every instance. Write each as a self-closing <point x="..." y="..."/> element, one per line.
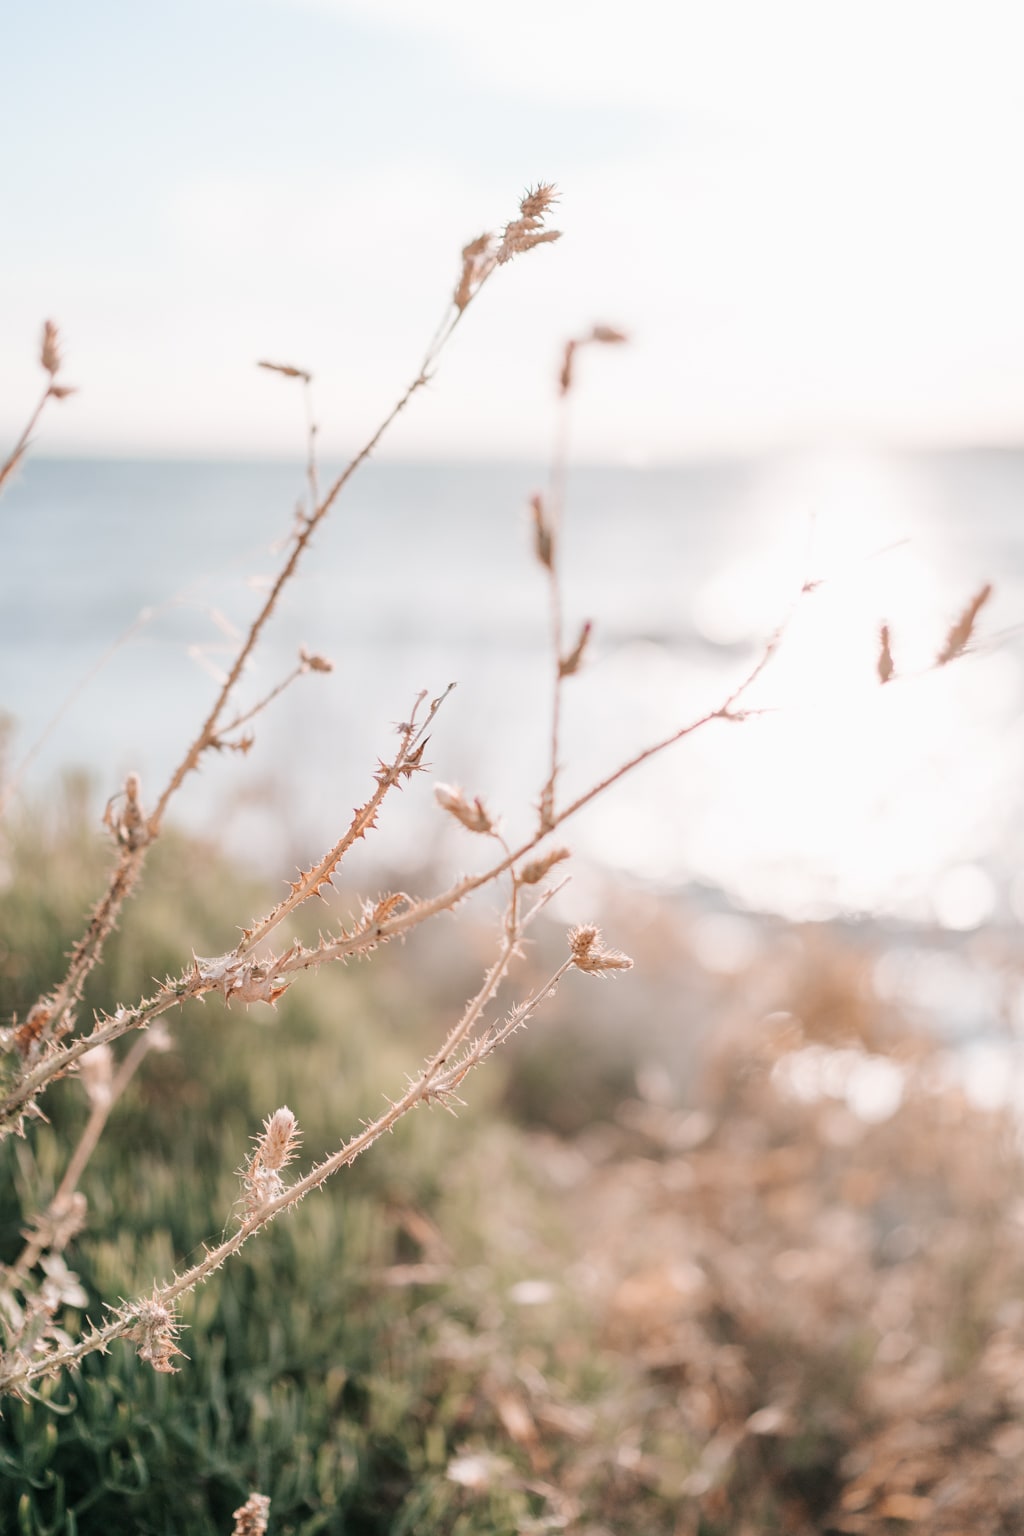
<point x="808" y="213"/>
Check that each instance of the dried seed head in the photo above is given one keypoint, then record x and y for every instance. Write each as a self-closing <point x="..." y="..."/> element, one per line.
<point x="565" y="377"/>
<point x="280" y="1138"/>
<point x="524" y="233"/>
<point x="312" y="662"/>
<point x="477" y="263"/>
<point x="537" y="200"/>
<point x="253" y="1517"/>
<point x="127" y="823"/>
<point x="473" y="816"/>
<point x="49" y="352"/>
<point x="608" y="334"/>
<point x="275" y="1148"/>
<point x="543" y="544"/>
<point x="886" y="665"/>
<point x="61" y="391"/>
<point x="960" y="633"/>
<point x="155" y="1333"/>
<point x="571" y="663"/>
<point x="585" y="947"/>
<point x="287" y="370"/>
<point x="532" y="873"/>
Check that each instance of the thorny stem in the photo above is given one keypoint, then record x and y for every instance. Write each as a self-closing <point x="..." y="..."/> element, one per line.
<point x="62" y="999"/>
<point x="310" y="882"/>
<point x="10" y="464"/>
<point x="559" y="467"/>
<point x="367" y="936"/>
<point x="87" y="1143"/>
<point x="433" y="1081"/>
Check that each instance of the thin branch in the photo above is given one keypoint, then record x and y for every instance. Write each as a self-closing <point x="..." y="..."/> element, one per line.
<point x="20" y="448"/>
<point x="432" y="1084"/>
<point x="242" y="978"/>
<point x="59" y="1002"/>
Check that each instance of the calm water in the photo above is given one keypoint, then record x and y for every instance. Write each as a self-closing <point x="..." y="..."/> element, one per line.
<point x="841" y="797"/>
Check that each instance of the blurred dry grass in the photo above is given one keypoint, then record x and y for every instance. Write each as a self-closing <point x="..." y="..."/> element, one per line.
<point x="814" y="1320"/>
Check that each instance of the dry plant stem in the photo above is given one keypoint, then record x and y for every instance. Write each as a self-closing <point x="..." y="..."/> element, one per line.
<point x="312" y="472"/>
<point x="366" y="936"/>
<point x="87" y="1143"/>
<point x="125" y="874"/>
<point x="194" y="983"/>
<point x="437" y="1080"/>
<point x="257" y="709"/>
<point x="310" y="881"/>
<point x="17" y="453"/>
<point x="556" y="501"/>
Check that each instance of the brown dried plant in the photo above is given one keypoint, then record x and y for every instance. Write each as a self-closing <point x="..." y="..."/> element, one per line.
<point x="50" y="360"/>
<point x="37" y="1050"/>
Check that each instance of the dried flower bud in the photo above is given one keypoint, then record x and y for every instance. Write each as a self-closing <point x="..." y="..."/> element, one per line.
<point x="961" y="631"/>
<point x="61" y="391"/>
<point x="608" y="334"/>
<point x="886" y="665"/>
<point x="253" y="1516"/>
<point x="524" y="233"/>
<point x="49" y="352"/>
<point x="275" y="1148"/>
<point x="534" y="872"/>
<point x="277" y="1145"/>
<point x="313" y="662"/>
<point x="537" y="200"/>
<point x="474" y="817"/>
<point x="588" y="955"/>
<point x="155" y="1333"/>
<point x="543" y="544"/>
<point x="127" y="824"/>
<point x="287" y="370"/>
<point x="571" y="663"/>
<point x="565" y="377"/>
<point x="477" y="263"/>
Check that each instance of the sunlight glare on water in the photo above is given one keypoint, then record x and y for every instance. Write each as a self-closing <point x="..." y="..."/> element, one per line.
<point x="845" y="795"/>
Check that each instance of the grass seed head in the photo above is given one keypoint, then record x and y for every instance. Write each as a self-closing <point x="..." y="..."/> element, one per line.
<point x="49" y="352"/>
<point x="960" y="633"/>
<point x="586" y="948"/>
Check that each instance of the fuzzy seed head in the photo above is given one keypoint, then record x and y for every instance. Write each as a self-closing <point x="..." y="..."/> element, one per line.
<point x="49" y="352"/>
<point x="568" y="665"/>
<point x="474" y="815"/>
<point x="589" y="955"/>
<point x="311" y="661"/>
<point x="543" y="543"/>
<point x="280" y="1138"/>
<point x="608" y="335"/>
<point x="534" y="872"/>
<point x="537" y="200"/>
<point x="961" y="632"/>
<point x="155" y="1334"/>
<point x="253" y="1516"/>
<point x="286" y="370"/>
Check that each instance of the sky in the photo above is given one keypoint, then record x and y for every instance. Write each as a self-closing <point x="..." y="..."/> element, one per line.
<point x="806" y="214"/>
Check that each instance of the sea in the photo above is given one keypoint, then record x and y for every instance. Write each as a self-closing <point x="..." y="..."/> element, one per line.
<point x="125" y="587"/>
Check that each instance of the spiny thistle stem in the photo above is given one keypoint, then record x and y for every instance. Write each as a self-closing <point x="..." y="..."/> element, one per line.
<point x="58" y="1004"/>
